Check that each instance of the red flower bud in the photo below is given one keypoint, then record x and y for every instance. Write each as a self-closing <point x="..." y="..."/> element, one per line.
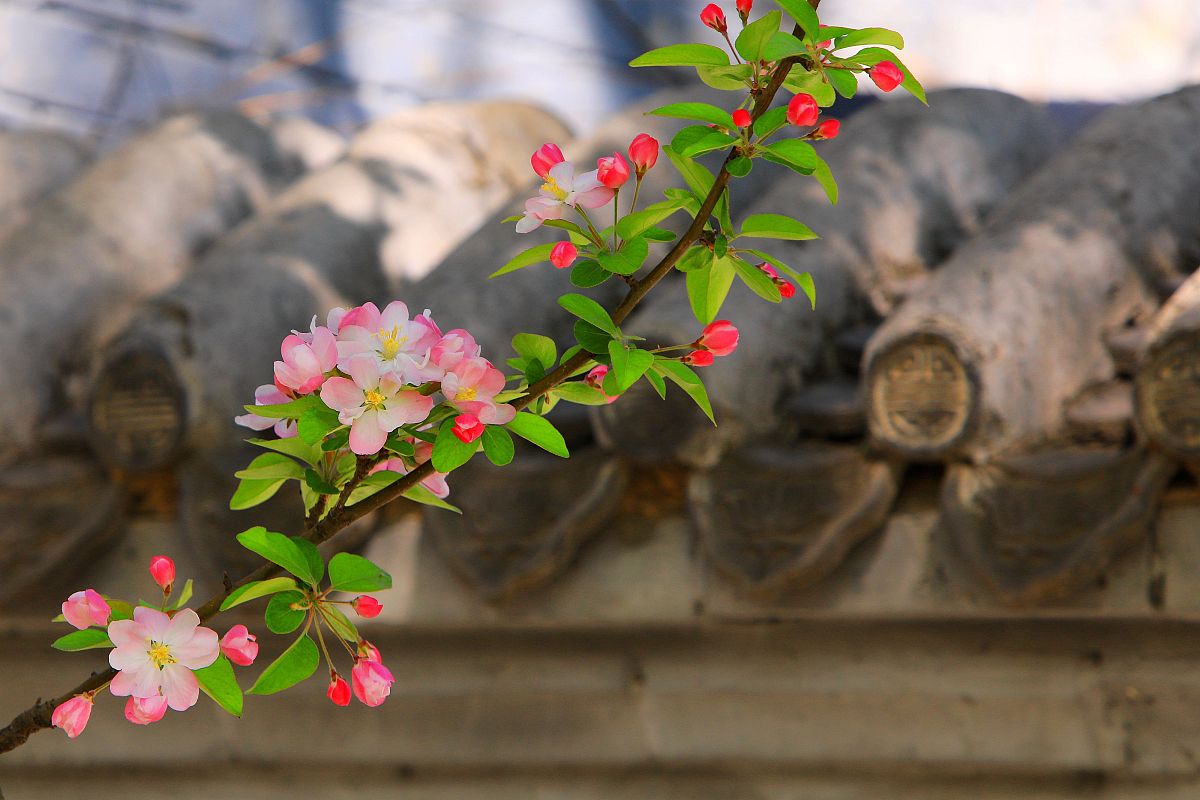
<point x="162" y="569"/>
<point x="546" y="157"/>
<point x="743" y="8"/>
<point x="802" y="110"/>
<point x="741" y="118"/>
<point x="887" y="76"/>
<point x="468" y="428"/>
<point x="563" y="254"/>
<point x="612" y="171"/>
<point x="714" y="17"/>
<point x="339" y="690"/>
<point x="698" y="358"/>
<point x="786" y="290"/>
<point x="719" y="338"/>
<point x="366" y="606"/>
<point x="827" y="129"/>
<point x="643" y="152"/>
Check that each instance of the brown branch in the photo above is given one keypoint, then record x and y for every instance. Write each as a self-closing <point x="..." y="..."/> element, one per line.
<point x="37" y="717"/>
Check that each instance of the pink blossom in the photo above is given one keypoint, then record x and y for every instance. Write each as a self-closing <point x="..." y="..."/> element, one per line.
<point x="156" y="653"/>
<point x="435" y="483"/>
<point x="612" y="171"/>
<point x="827" y="129"/>
<point x="372" y="404"/>
<point x="743" y="8"/>
<point x="366" y="606"/>
<point x="452" y="348"/>
<point x="363" y="315"/>
<point x="85" y="609"/>
<point x="339" y="690"/>
<point x="73" y="715"/>
<point x="468" y="428"/>
<point x="887" y="76"/>
<point x="714" y="17"/>
<point x="240" y="646"/>
<point x="268" y="395"/>
<point x="145" y="710"/>
<point x="372" y="681"/>
<point x="399" y="344"/>
<point x="563" y="189"/>
<point x="546" y="157"/>
<point x="472" y="387"/>
<point x="369" y="651"/>
<point x="802" y="110"/>
<point x="563" y="254"/>
<point x="719" y="338"/>
<point x="306" y="359"/>
<point x="742" y="118"/>
<point x="162" y="569"/>
<point x="595" y="379"/>
<point x="643" y="152"/>
<point x="698" y="358"/>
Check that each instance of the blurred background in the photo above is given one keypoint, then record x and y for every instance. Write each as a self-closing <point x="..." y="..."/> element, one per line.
<point x="947" y="548"/>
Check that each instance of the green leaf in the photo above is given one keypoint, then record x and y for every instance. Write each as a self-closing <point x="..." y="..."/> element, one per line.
<point x="588" y="273"/>
<point x="280" y="616"/>
<point x="120" y="609"/>
<point x="497" y="445"/>
<point x="757" y="281"/>
<point x="631" y="225"/>
<point x="772" y="120"/>
<point x="185" y="594"/>
<point x="707" y="288"/>
<point x="316" y="423"/>
<point x="804" y="15"/>
<point x="297" y="663"/>
<point x="532" y="346"/>
<point x="292" y="410"/>
<point x="591" y="338"/>
<point x="626" y="261"/>
<point x="802" y="80"/>
<point x="739" y="167"/>
<point x="656" y="381"/>
<point x="284" y="551"/>
<point x="539" y="431"/>
<point x="882" y="36"/>
<point x="695" y="258"/>
<point x="398" y="445"/>
<point x="658" y="235"/>
<point x="581" y="393"/>
<point x="293" y="446"/>
<point x="792" y="153"/>
<point x="450" y="452"/>
<point x="753" y="39"/>
<point x="783" y="45"/>
<point x="351" y="573"/>
<point x="251" y="493"/>
<point x="870" y="56"/>
<point x="695" y="140"/>
<point x="316" y="564"/>
<point x="802" y="279"/>
<point x="628" y="364"/>
<point x="340" y="624"/>
<point x="257" y="589"/>
<point x="82" y="640"/>
<point x="729" y="78"/>
<point x="526" y="258"/>
<point x="683" y="55"/>
<point x="319" y="484"/>
<point x="372" y="484"/>
<point x="775" y="226"/>
<point x="336" y="440"/>
<point x="685" y="378"/>
<point x="218" y="682"/>
<point x="701" y="111"/>
<point x="844" y="81"/>
<point x="419" y="494"/>
<point x="590" y="312"/>
<point x="824" y="177"/>
<point x="699" y="179"/>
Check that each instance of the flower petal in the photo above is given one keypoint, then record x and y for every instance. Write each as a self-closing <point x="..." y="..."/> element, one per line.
<point x="180" y="687"/>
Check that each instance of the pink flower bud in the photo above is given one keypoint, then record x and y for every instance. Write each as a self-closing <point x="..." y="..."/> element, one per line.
<point x="719" y="338"/>
<point x="368" y="650"/>
<point x="366" y="606"/>
<point x="468" y="428"/>
<point x="612" y="171"/>
<point x="802" y="110"/>
<point x="240" y="646"/>
<point x="786" y="290"/>
<point x="162" y="569"/>
<point x="72" y="716"/>
<point x="563" y="255"/>
<point x="546" y="157"/>
<point x="339" y="690"/>
<point x="595" y="379"/>
<point x="827" y="129"/>
<point x="372" y="682"/>
<point x="887" y="76"/>
<point x="643" y="152"/>
<point x="698" y="358"/>
<point x="85" y="609"/>
<point x="769" y="270"/>
<point x="145" y="710"/>
<point x="743" y="8"/>
<point x="741" y="118"/>
<point x="714" y="17"/>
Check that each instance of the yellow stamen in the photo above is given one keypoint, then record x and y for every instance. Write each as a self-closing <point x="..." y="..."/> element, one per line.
<point x="466" y="394"/>
<point x="392" y="341"/>
<point x="160" y="654"/>
<point x="375" y="399"/>
<point x="551" y="186"/>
